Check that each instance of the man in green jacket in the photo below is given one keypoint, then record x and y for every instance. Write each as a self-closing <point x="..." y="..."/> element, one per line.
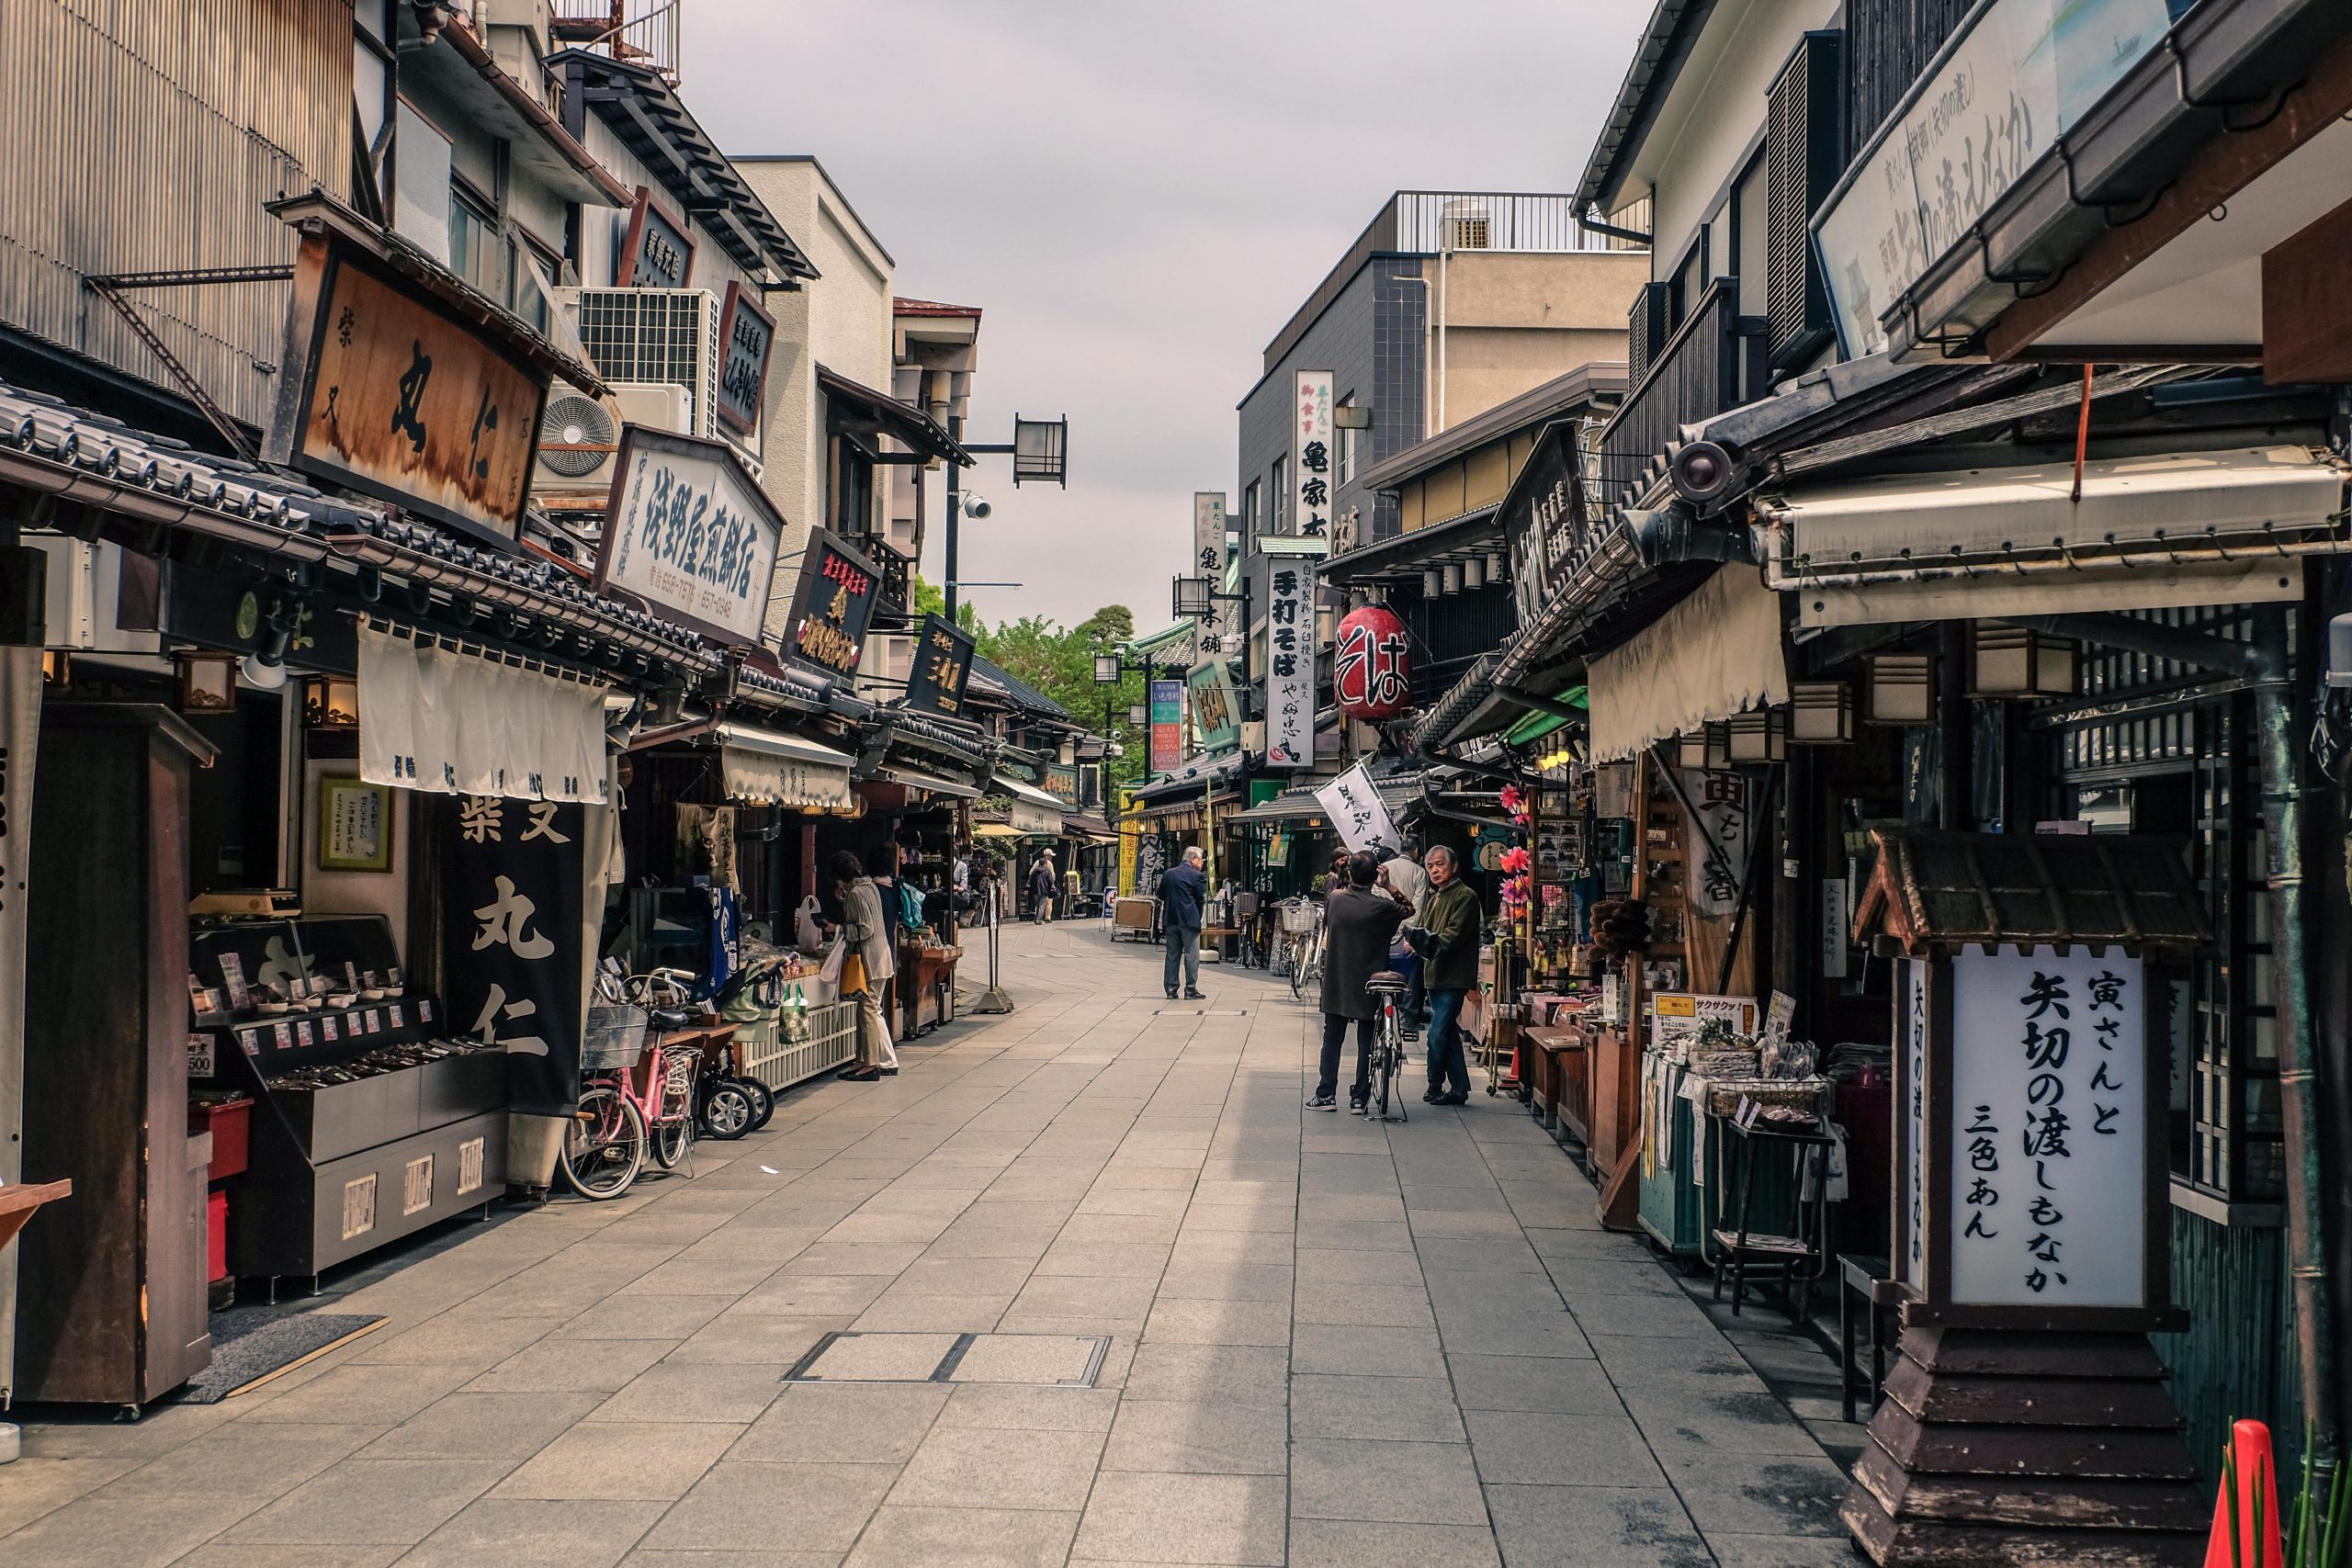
<point x="1447" y="944"/>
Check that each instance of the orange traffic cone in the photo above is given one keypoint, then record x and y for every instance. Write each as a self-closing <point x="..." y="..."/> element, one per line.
<point x="2246" y="1532"/>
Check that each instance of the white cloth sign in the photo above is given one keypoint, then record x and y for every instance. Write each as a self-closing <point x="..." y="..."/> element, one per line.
<point x="1290" y="662"/>
<point x="20" y="696"/>
<point x="450" y="723"/>
<point x="1358" y="814"/>
<point x="1715" y="840"/>
<point x="2048" y="1123"/>
<point x="1208" y="553"/>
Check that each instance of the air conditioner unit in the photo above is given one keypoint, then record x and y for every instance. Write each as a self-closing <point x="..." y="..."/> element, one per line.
<point x="667" y="336"/>
<point x="578" y="435"/>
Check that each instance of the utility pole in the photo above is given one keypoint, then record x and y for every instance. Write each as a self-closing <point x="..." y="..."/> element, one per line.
<point x="955" y="514"/>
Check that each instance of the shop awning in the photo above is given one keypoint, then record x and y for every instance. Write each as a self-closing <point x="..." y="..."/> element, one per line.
<point x="2149" y="532"/>
<point x="1714" y="654"/>
<point x="1033" y="811"/>
<point x="931" y="782"/>
<point x="767" y="767"/>
<point x="435" y="717"/>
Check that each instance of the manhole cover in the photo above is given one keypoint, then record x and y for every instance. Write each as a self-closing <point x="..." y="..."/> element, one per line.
<point x="1051" y="1360"/>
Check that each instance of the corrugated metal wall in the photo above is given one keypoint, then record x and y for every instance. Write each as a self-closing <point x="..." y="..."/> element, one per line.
<point x="137" y="135"/>
<point x="2238" y="1359"/>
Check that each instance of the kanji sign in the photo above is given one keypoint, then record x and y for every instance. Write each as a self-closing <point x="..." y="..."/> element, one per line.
<point x="1358" y="814"/>
<point x="746" y="337"/>
<point x="2047" y="1116"/>
<point x="1544" y="519"/>
<point x="402" y="398"/>
<point x="514" y="953"/>
<point x="660" y="250"/>
<point x="829" y="611"/>
<point x="1167" y="726"/>
<point x="1372" y="666"/>
<point x="1311" y="453"/>
<point x="1208" y="552"/>
<point x="1290" y="662"/>
<point x="689" y="532"/>
<point x="1217" y="717"/>
<point x="943" y="665"/>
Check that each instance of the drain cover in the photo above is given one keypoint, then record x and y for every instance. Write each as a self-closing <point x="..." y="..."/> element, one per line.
<point x="1049" y="1361"/>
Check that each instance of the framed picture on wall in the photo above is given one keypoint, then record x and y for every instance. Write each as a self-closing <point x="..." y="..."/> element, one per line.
<point x="355" y="825"/>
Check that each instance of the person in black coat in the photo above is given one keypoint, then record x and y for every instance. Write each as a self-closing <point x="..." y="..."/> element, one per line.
<point x="1183" y="905"/>
<point x="1359" y="925"/>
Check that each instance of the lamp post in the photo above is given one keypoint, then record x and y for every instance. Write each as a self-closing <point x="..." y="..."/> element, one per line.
<point x="1040" y="452"/>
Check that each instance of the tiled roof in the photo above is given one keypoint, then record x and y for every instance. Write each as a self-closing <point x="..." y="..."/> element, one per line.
<point x="904" y="307"/>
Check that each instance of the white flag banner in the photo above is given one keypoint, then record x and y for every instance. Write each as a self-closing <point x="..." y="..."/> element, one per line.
<point x="1358" y="814"/>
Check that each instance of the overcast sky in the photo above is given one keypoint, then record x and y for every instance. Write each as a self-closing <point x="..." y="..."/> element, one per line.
<point x="1138" y="195"/>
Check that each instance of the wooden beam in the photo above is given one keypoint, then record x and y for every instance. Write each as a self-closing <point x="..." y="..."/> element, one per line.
<point x="2222" y="167"/>
<point x="2304" y="281"/>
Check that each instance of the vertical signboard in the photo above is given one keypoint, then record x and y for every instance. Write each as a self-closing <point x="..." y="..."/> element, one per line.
<point x="1310" y="453"/>
<point x="746" y="336"/>
<point x="1217" y="718"/>
<point x="1543" y="520"/>
<point x="1290" y="662"/>
<point x="1167" y="726"/>
<point x="1208" y="553"/>
<point x="942" y="666"/>
<point x="2047" y="1118"/>
<point x="832" y="607"/>
<point x="659" y="252"/>
<point x="514" y="954"/>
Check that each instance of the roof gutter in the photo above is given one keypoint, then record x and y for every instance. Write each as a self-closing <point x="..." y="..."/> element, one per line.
<point x="471" y="50"/>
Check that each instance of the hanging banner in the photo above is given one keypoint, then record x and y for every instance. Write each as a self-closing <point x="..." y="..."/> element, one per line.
<point x="1310" y="453"/>
<point x="514" y="956"/>
<point x="1208" y="554"/>
<point x="832" y="607"/>
<point x="2048" y="1126"/>
<point x="435" y="719"/>
<point x="691" y="533"/>
<point x="1290" y="662"/>
<point x="1543" y="520"/>
<point x="1358" y="814"/>
<point x="1217" y="718"/>
<point x="1167" y="726"/>
<point x="1715" y="840"/>
<point x="20" y="694"/>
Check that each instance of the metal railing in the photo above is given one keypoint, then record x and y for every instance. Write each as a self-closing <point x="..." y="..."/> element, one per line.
<point x="1696" y="376"/>
<point x="1429" y="222"/>
<point x="642" y="32"/>
<point x="898" y="575"/>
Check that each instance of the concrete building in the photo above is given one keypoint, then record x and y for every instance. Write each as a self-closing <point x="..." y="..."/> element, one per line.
<point x="1447" y="305"/>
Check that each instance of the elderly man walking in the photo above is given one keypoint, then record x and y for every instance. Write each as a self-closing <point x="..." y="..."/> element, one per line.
<point x="1184" y="901"/>
<point x="1359" y="922"/>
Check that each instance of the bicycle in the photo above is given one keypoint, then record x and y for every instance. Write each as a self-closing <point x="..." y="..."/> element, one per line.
<point x="1388" y="1041"/>
<point x="617" y="1122"/>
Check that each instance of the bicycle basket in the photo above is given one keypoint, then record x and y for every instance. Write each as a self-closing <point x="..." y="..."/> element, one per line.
<point x="1298" y="918"/>
<point x="615" y="1036"/>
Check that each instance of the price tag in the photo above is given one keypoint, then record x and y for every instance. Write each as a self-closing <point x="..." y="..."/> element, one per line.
<point x="199" y="1055"/>
<point x="281" y="1036"/>
<point x="424" y="1011"/>
<point x="251" y="1040"/>
<point x="400" y="1019"/>
<point x="303" y="1034"/>
<point x="369" y="1022"/>
<point x="329" y="1030"/>
<point x="232" y="975"/>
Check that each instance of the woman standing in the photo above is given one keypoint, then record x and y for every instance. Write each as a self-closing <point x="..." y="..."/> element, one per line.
<point x="866" y="968"/>
<point x="1041" y="885"/>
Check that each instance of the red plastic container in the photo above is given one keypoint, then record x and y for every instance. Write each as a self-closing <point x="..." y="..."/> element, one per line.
<point x="216" y="1235"/>
<point x="230" y="1123"/>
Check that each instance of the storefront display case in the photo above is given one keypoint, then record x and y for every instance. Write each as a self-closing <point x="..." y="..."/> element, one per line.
<point x="371" y="1119"/>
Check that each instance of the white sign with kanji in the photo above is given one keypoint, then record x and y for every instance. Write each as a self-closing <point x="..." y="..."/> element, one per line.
<point x="1311" y="450"/>
<point x="1290" y="661"/>
<point x="2048" y="1123"/>
<point x="1358" y="814"/>
<point x="1208" y="553"/>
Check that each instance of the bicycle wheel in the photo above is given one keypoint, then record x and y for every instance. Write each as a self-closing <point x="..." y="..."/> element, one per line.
<point x="1390" y="1051"/>
<point x="604" y="1149"/>
<point x="674" y="1124"/>
<point x="1298" y="975"/>
<point x="726" y="1112"/>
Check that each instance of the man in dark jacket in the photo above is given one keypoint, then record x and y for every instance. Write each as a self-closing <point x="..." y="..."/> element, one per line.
<point x="1358" y="924"/>
<point x="1183" y="900"/>
<point x="1447" y="944"/>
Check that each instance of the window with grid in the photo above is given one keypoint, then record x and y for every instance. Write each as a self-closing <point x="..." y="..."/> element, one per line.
<point x="2169" y="750"/>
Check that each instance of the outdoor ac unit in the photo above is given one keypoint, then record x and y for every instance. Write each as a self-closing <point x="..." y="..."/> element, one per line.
<point x="668" y="336"/>
<point x="1467" y="225"/>
<point x="578" y="435"/>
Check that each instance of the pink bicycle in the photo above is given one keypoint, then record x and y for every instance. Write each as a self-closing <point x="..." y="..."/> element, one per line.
<point x="632" y="1101"/>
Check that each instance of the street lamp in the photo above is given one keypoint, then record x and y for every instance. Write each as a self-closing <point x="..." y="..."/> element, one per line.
<point x="1040" y="454"/>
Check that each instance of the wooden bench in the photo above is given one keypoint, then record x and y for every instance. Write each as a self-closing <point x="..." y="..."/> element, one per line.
<point x="1556" y="1056"/>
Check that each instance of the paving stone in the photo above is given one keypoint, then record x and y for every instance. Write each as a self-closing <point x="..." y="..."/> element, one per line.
<point x="1370" y="1306"/>
<point x="990" y="1467"/>
<point x="1547" y="1448"/>
<point x="1583" y="1527"/>
<point x="1136" y="1517"/>
<point x="885" y="1358"/>
<point x="828" y="1422"/>
<point x="1196" y="1438"/>
<point x="741" y="1337"/>
<point x="1220" y="1322"/>
<point x="101" y="1531"/>
<point x="515" y="1532"/>
<point x="256" y="1460"/>
<point x="1333" y="1266"/>
<point x="1346" y="1543"/>
<point x="1352" y="1351"/>
<point x="1760" y="1494"/>
<point x="1058" y="1359"/>
<point x="1562" y="1385"/>
<point x="1419" y="1409"/>
<point x="656" y="1460"/>
<point x="1254" y="1375"/>
<point x="904" y="1537"/>
<point x="365" y="1502"/>
<point x="1027" y="1407"/>
<point x="1400" y="1483"/>
<point x="365" y="1394"/>
<point x="827" y="1506"/>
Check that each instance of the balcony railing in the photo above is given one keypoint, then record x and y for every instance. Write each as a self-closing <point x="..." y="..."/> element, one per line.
<point x="1704" y="368"/>
<point x="644" y="33"/>
<point x="896" y="597"/>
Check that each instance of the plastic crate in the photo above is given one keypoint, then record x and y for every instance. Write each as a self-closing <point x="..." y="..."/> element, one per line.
<point x="772" y="1057"/>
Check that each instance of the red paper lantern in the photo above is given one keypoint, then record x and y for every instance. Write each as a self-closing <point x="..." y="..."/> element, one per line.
<point x="1372" y="666"/>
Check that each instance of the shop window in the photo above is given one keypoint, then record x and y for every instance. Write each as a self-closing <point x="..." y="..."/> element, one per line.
<point x="1281" y="486"/>
<point x="477" y="251"/>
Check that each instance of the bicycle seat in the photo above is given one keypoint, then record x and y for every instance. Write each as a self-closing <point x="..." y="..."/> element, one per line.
<point x="668" y="1018"/>
<point x="1386" y="980"/>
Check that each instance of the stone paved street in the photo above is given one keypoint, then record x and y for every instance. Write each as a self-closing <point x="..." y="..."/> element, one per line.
<point x="1328" y="1342"/>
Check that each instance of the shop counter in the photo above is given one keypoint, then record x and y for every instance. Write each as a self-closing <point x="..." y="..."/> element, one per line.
<point x="934" y="982"/>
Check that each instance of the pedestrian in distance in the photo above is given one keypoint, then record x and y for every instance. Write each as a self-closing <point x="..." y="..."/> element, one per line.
<point x="1447" y="939"/>
<point x="1041" y="884"/>
<point x="1183" y="904"/>
<point x="1359" y="924"/>
<point x="866" y="966"/>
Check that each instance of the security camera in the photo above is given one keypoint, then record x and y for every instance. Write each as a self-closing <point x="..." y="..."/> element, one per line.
<point x="976" y="506"/>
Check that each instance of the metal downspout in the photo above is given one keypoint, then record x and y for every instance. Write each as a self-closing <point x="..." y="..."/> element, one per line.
<point x="2263" y="665"/>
